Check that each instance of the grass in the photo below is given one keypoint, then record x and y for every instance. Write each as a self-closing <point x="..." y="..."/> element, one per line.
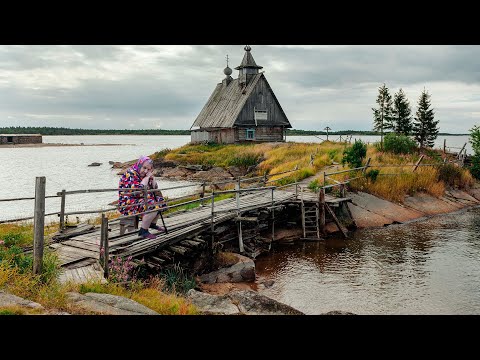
<point x="431" y="180"/>
<point x="270" y="158"/>
<point x="16" y="277"/>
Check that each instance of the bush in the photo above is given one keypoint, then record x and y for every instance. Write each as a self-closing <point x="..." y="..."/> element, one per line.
<point x="177" y="280"/>
<point x="314" y="186"/>
<point x="450" y="174"/>
<point x="372" y="175"/>
<point x="399" y="144"/>
<point x="354" y="154"/>
<point x="475" y="167"/>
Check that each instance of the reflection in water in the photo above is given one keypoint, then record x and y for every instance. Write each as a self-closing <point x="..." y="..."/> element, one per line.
<point x="425" y="267"/>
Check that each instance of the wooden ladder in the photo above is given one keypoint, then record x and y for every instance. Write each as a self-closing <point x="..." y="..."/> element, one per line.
<point x="310" y="220"/>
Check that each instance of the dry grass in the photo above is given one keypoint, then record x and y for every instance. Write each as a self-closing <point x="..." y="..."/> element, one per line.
<point x="269" y="157"/>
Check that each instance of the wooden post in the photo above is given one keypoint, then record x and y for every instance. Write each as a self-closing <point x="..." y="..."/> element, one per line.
<point x="339" y="224"/>
<point x="342" y="190"/>
<point x="296" y="191"/>
<point x="461" y="150"/>
<point x="302" y="205"/>
<point x="105" y="239"/>
<point x="237" y="195"/>
<point x="38" y="224"/>
<point x="444" y="146"/>
<point x="240" y="238"/>
<point x="366" y="165"/>
<point x="324" y="178"/>
<point x="273" y="225"/>
<point x="321" y="200"/>
<point x="202" y="203"/>
<point x="210" y="245"/>
<point x="418" y="162"/>
<point x="62" y="211"/>
<point x="101" y="258"/>
<point x="272" y="195"/>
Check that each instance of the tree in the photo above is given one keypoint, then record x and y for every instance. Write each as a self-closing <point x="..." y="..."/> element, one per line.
<point x="425" y="128"/>
<point x="383" y="114"/>
<point x="475" y="139"/>
<point x="401" y="114"/>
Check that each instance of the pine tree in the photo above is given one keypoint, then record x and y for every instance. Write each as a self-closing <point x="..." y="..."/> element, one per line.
<point x="401" y="114"/>
<point x="425" y="128"/>
<point x="382" y="116"/>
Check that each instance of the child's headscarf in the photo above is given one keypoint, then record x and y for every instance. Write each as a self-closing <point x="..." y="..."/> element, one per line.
<point x="138" y="165"/>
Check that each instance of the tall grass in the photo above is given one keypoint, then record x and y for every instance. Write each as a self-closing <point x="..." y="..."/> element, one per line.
<point x="271" y="158"/>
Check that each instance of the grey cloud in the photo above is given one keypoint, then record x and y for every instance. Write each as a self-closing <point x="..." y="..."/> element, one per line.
<point x="315" y="85"/>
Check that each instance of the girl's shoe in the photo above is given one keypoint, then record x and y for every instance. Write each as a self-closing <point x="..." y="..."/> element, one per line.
<point x="156" y="227"/>
<point x="146" y="234"/>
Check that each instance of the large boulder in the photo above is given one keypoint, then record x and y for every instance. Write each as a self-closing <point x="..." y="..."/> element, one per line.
<point x="239" y="302"/>
<point x="7" y="299"/>
<point x="242" y="270"/>
<point x="108" y="304"/>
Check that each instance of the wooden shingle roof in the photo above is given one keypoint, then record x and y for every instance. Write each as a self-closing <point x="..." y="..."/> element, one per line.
<point x="224" y="105"/>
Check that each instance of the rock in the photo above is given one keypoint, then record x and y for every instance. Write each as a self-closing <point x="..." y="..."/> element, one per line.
<point x="95" y="164"/>
<point x="268" y="283"/>
<point x="7" y="299"/>
<point x="236" y="172"/>
<point x="338" y="312"/>
<point x="250" y="302"/>
<point x="212" y="304"/>
<point x="161" y="163"/>
<point x="243" y="270"/>
<point x="109" y="304"/>
<point x="239" y="302"/>
<point x="179" y="173"/>
<point x="214" y="174"/>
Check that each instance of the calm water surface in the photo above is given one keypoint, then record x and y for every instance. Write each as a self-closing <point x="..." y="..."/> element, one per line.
<point x="426" y="267"/>
<point x="67" y="168"/>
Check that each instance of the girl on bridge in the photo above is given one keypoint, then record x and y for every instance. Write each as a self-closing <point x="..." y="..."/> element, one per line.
<point x="140" y="176"/>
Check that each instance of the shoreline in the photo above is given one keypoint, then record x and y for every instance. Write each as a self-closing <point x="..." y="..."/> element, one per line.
<point x="54" y="144"/>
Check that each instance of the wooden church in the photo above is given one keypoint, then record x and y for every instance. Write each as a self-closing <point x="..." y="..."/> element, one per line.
<point x="241" y="110"/>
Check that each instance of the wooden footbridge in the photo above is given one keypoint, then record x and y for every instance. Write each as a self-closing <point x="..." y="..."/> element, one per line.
<point x="83" y="251"/>
<point x="82" y="248"/>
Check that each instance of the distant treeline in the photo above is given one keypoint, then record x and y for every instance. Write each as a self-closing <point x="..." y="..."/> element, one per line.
<point x="67" y="131"/>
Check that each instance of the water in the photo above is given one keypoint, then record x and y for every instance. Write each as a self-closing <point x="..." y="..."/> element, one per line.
<point x="426" y="267"/>
<point x="67" y="168"/>
<point x="453" y="143"/>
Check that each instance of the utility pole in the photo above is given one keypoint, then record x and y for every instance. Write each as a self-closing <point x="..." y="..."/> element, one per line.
<point x="327" y="128"/>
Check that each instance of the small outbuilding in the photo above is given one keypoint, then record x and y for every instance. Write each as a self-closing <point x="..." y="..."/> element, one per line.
<point x="241" y="110"/>
<point x="20" y="139"/>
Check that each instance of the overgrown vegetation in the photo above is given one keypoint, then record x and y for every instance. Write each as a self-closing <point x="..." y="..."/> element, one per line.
<point x="394" y="183"/>
<point x="270" y="158"/>
<point x="354" y="155"/>
<point x="475" y="141"/>
<point x="16" y="277"/>
<point x="177" y="279"/>
<point x="399" y="144"/>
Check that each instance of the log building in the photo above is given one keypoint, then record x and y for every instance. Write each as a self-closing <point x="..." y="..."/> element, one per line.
<point x="20" y="139"/>
<point x="241" y="110"/>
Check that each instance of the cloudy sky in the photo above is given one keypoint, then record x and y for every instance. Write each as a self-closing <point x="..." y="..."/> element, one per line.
<point x="166" y="86"/>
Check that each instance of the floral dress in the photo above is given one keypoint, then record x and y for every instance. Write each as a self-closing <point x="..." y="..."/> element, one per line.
<point x="133" y="203"/>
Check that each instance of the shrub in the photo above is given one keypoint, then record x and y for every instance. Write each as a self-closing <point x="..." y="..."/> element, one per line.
<point x="354" y="154"/>
<point x="372" y="175"/>
<point x="177" y="280"/>
<point x="475" y="167"/>
<point x="314" y="186"/>
<point x="399" y="144"/>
